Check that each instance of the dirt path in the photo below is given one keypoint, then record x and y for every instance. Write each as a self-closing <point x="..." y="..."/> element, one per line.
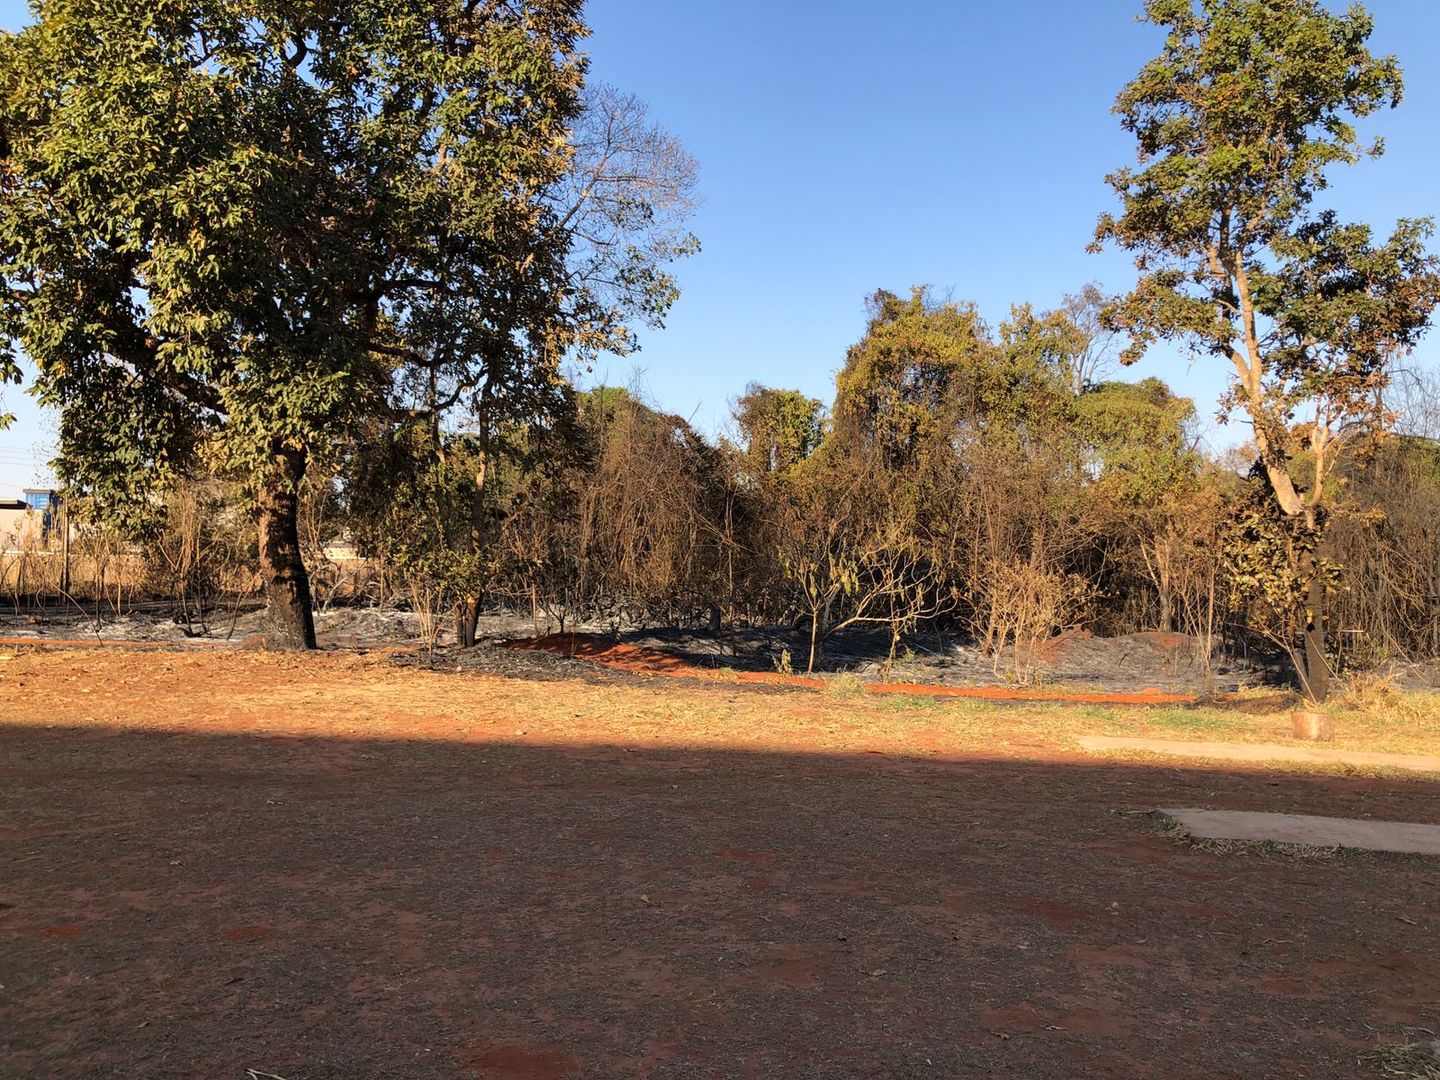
<point x="1263" y="753"/>
<point x="322" y="867"/>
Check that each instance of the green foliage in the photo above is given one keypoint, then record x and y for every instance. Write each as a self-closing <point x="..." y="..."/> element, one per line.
<point x="1030" y="388"/>
<point x="1272" y="561"/>
<point x="955" y="480"/>
<point x="780" y="428"/>
<point x="1237" y="122"/>
<point x="230" y="224"/>
<point x="926" y="371"/>
<point x="410" y="506"/>
<point x="1140" y="435"/>
<point x="484" y="349"/>
<point x="898" y="382"/>
<point x="601" y="406"/>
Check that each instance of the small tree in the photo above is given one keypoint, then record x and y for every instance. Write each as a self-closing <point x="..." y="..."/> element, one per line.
<point x="1237" y="121"/>
<point x="778" y="429"/>
<point x="1142" y="453"/>
<point x="1098" y="352"/>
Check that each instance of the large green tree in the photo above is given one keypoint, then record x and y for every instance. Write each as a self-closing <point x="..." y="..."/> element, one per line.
<point x="235" y="226"/>
<point x="1237" y="121"/>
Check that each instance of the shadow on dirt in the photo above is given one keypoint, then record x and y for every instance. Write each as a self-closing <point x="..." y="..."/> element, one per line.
<point x="179" y="905"/>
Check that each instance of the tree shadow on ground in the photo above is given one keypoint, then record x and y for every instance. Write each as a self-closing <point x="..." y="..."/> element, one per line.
<point x="183" y="905"/>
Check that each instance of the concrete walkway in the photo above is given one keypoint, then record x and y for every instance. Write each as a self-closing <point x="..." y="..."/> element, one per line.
<point x="1222" y="751"/>
<point x="1309" y="831"/>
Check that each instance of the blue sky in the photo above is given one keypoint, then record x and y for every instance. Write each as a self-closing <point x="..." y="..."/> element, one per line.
<point x="848" y="145"/>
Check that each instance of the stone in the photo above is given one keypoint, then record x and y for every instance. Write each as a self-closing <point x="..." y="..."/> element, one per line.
<point x="1309" y="831"/>
<point x="1312" y="725"/>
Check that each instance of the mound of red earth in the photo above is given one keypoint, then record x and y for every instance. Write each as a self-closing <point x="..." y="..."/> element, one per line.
<point x="645" y="661"/>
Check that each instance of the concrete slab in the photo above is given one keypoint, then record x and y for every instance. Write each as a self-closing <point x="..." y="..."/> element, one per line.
<point x="1222" y="751"/>
<point x="1310" y="831"/>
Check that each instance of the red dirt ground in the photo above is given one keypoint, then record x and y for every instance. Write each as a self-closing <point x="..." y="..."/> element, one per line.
<point x="323" y="867"/>
<point x="639" y="659"/>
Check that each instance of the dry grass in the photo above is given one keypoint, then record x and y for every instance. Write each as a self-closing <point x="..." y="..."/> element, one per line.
<point x="845" y="685"/>
<point x="1375" y="709"/>
<point x="1408" y="1061"/>
<point x="357" y="694"/>
<point x="1372" y="715"/>
<point x="1379" y="696"/>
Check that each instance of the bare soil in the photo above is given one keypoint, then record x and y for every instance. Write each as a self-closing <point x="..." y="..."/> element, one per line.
<point x="327" y="867"/>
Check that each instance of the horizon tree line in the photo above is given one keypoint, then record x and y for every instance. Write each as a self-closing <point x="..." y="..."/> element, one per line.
<point x="346" y="253"/>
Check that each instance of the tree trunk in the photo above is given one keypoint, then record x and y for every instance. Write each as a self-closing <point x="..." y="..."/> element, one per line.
<point x="467" y="620"/>
<point x="467" y="611"/>
<point x="289" y="618"/>
<point x="1315" y="679"/>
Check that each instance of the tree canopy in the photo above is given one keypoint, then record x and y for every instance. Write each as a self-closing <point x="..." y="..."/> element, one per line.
<point x="234" y="227"/>
<point x="1237" y="122"/>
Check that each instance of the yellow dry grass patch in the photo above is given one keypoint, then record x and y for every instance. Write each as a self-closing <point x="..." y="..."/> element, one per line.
<point x="344" y="695"/>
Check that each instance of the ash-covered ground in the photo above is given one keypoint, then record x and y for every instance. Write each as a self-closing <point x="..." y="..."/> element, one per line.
<point x="1075" y="659"/>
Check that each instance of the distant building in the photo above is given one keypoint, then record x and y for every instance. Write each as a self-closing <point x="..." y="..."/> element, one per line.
<point x="31" y="522"/>
<point x="339" y="551"/>
<point x="42" y="499"/>
<point x="46" y="503"/>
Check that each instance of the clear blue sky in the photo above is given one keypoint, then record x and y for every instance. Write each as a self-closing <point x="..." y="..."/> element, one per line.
<point x="849" y="145"/>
